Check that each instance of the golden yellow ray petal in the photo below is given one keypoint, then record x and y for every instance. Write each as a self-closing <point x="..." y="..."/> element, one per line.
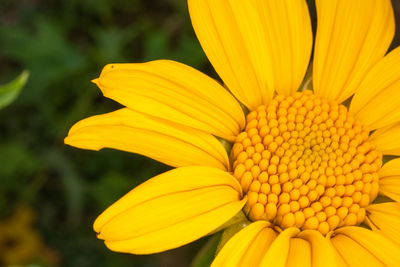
<point x="162" y="140"/>
<point x="390" y="186"/>
<point x="351" y="37"/>
<point x="375" y="102"/>
<point x="389" y="179"/>
<point x="299" y="253"/>
<point x="259" y="247"/>
<point x="384" y="218"/>
<point x="278" y="252"/>
<point x="387" y="139"/>
<point x="288" y="31"/>
<point x="255" y="47"/>
<point x="174" y="92"/>
<point x="226" y="37"/>
<point x="338" y="257"/>
<point x="247" y="247"/>
<point x="352" y="253"/>
<point x="322" y="252"/>
<point x="362" y="247"/>
<point x="170" y="210"/>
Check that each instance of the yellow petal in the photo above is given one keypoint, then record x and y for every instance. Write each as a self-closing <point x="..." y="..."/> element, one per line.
<point x="390" y="168"/>
<point x="338" y="257"/>
<point x="299" y="253"/>
<point x="232" y="37"/>
<point x="387" y="139"/>
<point x="384" y="218"/>
<point x="362" y="247"/>
<point x="170" y="210"/>
<point x="352" y="253"/>
<point x="174" y="92"/>
<point x="247" y="247"/>
<point x="351" y="37"/>
<point x="375" y="102"/>
<point x="165" y="141"/>
<point x="278" y="252"/>
<point x="288" y="31"/>
<point x="389" y="179"/>
<point x="322" y="252"/>
<point x="255" y="47"/>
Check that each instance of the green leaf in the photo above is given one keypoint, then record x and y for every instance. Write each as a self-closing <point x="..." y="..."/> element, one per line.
<point x="207" y="253"/>
<point x="10" y="91"/>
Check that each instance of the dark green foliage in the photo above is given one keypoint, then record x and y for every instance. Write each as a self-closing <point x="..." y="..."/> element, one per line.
<point x="65" y="44"/>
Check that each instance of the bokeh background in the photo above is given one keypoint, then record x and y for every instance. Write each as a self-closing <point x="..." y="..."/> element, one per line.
<point x="50" y="193"/>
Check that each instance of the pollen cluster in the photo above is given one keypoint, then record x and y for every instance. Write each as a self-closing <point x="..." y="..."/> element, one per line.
<point x="305" y="161"/>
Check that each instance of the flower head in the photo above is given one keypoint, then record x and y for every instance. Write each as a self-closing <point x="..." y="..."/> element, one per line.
<point x="306" y="162"/>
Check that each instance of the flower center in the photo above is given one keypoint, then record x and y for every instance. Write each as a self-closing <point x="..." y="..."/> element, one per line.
<point x="305" y="161"/>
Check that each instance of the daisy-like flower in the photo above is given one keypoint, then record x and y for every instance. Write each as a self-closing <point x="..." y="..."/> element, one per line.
<point x="305" y="165"/>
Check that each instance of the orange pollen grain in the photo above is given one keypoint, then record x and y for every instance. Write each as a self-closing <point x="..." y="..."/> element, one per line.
<point x="304" y="161"/>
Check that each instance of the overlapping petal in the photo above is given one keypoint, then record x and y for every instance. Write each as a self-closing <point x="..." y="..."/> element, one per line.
<point x="170" y="210"/>
<point x="288" y="31"/>
<point x="322" y="253"/>
<point x="376" y="101"/>
<point x="387" y="139"/>
<point x="247" y="247"/>
<point x="231" y="35"/>
<point x="352" y="36"/>
<point x="307" y="248"/>
<point x="384" y="218"/>
<point x="300" y="251"/>
<point x="255" y="46"/>
<point x="260" y="245"/>
<point x="174" y="92"/>
<point x="358" y="246"/>
<point x="165" y="141"/>
<point x="278" y="252"/>
<point x="389" y="179"/>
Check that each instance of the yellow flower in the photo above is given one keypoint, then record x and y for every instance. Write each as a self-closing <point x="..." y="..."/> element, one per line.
<point x="304" y="168"/>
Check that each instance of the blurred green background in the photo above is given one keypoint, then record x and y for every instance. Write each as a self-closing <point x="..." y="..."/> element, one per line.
<point x="50" y="193"/>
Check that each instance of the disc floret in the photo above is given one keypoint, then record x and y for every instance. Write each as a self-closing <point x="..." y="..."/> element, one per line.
<point x="306" y="162"/>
